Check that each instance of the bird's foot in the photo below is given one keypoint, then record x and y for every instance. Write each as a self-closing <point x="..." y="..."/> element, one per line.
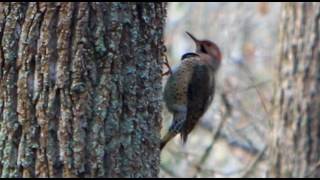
<point x="166" y="63"/>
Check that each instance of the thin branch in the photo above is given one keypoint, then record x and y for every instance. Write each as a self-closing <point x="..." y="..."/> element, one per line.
<point x="253" y="86"/>
<point x="260" y="95"/>
<point x="168" y="171"/>
<point x="178" y="153"/>
<point x="313" y="171"/>
<point x="251" y="77"/>
<point x="216" y="134"/>
<point x="254" y="163"/>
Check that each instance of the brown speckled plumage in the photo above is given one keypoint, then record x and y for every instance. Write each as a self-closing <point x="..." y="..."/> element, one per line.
<point x="177" y="84"/>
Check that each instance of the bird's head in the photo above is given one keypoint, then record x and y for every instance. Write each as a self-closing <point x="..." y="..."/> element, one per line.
<point x="207" y="47"/>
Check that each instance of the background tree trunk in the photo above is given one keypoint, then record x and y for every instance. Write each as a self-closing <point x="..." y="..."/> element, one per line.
<point x="80" y="87"/>
<point x="295" y="148"/>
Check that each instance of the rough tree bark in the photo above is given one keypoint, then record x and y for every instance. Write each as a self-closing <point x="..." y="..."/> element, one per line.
<point x="80" y="88"/>
<point x="295" y="141"/>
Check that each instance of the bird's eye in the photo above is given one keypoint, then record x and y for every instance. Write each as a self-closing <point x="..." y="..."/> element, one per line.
<point x="203" y="49"/>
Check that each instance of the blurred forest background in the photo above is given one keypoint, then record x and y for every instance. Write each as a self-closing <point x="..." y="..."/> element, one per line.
<point x="230" y="140"/>
<point x="80" y="89"/>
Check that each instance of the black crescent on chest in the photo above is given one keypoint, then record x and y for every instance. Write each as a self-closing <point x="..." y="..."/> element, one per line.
<point x="188" y="55"/>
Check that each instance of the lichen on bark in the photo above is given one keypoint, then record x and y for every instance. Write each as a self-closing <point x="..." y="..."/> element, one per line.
<point x="80" y="88"/>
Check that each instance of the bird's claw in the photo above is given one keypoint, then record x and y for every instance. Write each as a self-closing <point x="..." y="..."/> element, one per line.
<point x="166" y="63"/>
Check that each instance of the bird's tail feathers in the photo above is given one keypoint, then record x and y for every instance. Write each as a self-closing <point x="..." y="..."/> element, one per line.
<point x="184" y="137"/>
<point x="179" y="119"/>
<point x="167" y="138"/>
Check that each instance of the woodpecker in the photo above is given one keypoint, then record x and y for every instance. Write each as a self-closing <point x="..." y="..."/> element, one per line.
<point x="190" y="89"/>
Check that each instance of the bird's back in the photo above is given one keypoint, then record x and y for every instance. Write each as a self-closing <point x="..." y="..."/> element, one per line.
<point x="200" y="95"/>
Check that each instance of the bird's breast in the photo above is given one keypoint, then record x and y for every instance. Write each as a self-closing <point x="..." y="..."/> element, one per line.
<point x="176" y="89"/>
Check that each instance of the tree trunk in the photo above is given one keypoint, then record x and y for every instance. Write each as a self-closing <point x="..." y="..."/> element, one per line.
<point x="295" y="141"/>
<point x="80" y="87"/>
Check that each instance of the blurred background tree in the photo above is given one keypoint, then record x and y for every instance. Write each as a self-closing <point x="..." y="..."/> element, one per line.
<point x="295" y="137"/>
<point x="80" y="88"/>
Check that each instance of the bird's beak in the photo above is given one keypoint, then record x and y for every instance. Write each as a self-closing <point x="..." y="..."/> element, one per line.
<point x="196" y="41"/>
<point x="193" y="38"/>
